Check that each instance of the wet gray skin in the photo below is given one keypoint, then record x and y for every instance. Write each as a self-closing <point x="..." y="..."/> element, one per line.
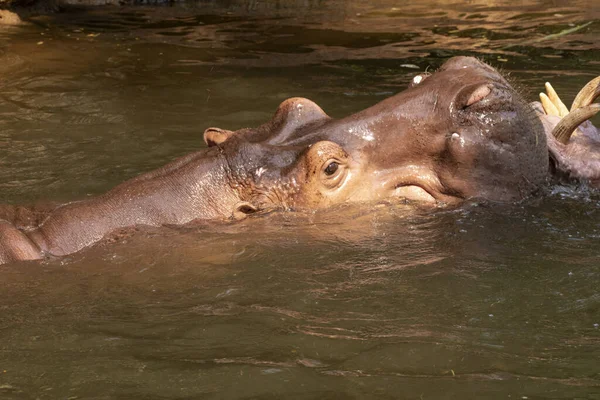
<point x="458" y="134"/>
<point x="441" y="141"/>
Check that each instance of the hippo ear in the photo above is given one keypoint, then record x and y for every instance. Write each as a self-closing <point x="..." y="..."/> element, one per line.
<point x="215" y="136"/>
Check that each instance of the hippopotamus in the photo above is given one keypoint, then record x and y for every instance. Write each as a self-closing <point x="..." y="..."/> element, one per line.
<point x="459" y="133"/>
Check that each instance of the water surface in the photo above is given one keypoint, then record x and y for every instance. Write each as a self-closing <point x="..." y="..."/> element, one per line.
<point x="379" y="301"/>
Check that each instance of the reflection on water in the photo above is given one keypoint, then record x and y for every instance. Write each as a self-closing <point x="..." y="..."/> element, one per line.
<point x="379" y="301"/>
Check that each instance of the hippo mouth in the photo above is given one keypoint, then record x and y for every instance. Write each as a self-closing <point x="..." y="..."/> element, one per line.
<point x="414" y="193"/>
<point x="417" y="183"/>
<point x="424" y="192"/>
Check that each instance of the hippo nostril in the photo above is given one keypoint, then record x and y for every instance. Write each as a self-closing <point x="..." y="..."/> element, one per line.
<point x="479" y="94"/>
<point x="243" y="209"/>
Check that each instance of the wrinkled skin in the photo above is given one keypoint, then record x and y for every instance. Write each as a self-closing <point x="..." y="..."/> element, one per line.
<point x="457" y="134"/>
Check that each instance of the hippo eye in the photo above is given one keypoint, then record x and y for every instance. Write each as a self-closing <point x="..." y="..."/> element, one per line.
<point x="334" y="173"/>
<point x="331" y="168"/>
<point x="328" y="164"/>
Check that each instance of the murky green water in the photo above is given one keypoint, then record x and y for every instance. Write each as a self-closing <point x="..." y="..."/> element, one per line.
<point x="379" y="302"/>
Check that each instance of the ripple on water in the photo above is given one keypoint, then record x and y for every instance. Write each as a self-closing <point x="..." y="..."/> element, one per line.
<point x="378" y="301"/>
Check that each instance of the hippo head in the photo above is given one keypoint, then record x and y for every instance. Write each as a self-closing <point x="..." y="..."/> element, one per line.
<point x="459" y="133"/>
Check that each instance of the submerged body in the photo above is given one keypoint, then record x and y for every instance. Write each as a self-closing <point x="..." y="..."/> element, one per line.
<point x="460" y="133"/>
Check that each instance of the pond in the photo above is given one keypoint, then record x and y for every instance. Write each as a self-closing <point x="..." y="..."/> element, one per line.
<point x="380" y="301"/>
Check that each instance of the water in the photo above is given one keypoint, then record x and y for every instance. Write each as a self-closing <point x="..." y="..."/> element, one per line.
<point x="374" y="301"/>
